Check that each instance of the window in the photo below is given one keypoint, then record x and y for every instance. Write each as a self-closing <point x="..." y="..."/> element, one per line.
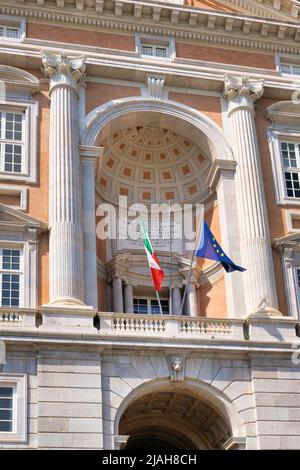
<point x="144" y="306"/>
<point x="6" y="409"/>
<point x="298" y="278"/>
<point x="290" y="154"/>
<point x="154" y="51"/>
<point x="10" y="277"/>
<point x="12" y="142"/>
<point x="12" y="32"/>
<point x="290" y="69"/>
<point x="13" y="407"/>
<point x="159" y="47"/>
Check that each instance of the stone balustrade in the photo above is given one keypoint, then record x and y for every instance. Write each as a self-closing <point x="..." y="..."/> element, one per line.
<point x="59" y="321"/>
<point x="170" y="326"/>
<point x="10" y="318"/>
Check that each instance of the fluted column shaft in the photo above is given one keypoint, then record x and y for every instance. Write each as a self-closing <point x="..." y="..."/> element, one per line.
<point x="65" y="204"/>
<point x="256" y="253"/>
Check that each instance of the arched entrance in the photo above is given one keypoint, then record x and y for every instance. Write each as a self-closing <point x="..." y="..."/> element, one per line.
<point x="173" y="420"/>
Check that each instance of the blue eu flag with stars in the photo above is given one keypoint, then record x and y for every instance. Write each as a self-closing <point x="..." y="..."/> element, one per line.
<point x="210" y="248"/>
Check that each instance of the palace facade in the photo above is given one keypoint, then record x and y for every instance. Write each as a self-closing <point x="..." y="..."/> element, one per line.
<point x="184" y="102"/>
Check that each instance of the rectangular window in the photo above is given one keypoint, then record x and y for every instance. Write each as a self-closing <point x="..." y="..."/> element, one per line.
<point x="154" y="51"/>
<point x="12" y="145"/>
<point x="150" y="306"/>
<point x="10" y="277"/>
<point x="12" y="32"/>
<point x="164" y="306"/>
<point x="298" y="278"/>
<point x="291" y="69"/>
<point x="290" y="155"/>
<point x="6" y="409"/>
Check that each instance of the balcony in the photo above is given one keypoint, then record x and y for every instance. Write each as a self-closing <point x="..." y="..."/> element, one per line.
<point x="102" y="327"/>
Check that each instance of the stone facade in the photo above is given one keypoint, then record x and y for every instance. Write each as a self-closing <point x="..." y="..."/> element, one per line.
<point x="154" y="102"/>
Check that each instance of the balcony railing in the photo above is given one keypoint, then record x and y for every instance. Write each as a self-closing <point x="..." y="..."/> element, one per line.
<point x="10" y="318"/>
<point x="170" y="326"/>
<point x="65" y="322"/>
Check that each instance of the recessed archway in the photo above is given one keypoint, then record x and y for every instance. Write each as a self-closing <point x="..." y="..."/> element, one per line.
<point x="178" y="416"/>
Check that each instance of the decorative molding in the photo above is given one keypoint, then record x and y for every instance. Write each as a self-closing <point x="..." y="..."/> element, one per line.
<point x="189" y="21"/>
<point x="285" y="112"/>
<point x="220" y="169"/>
<point x="287" y="10"/>
<point x="19" y="191"/>
<point x="155" y="87"/>
<point x="292" y="215"/>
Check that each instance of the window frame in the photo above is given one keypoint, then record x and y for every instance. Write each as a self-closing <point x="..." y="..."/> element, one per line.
<point x="22" y="232"/>
<point x="29" y="140"/>
<point x="290" y="169"/>
<point x="291" y="66"/>
<point x="19" y="384"/>
<point x="154" y="41"/>
<point x="19" y="272"/>
<point x="154" y="47"/>
<point x="18" y="22"/>
<point x="6" y="141"/>
<point x="149" y="300"/>
<point x="275" y="139"/>
<point x="14" y="410"/>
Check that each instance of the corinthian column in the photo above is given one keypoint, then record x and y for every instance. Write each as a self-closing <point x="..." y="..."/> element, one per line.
<point x="65" y="204"/>
<point x="256" y="253"/>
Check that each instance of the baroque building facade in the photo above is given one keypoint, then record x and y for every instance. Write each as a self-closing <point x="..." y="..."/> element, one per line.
<point x="183" y="102"/>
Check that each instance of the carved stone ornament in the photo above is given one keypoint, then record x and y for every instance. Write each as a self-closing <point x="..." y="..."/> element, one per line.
<point x="243" y="86"/>
<point x="62" y="69"/>
<point x="176" y="368"/>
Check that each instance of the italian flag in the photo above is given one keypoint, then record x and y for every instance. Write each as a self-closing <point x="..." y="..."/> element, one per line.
<point x="157" y="273"/>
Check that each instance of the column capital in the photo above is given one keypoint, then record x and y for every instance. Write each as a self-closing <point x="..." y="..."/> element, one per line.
<point x="63" y="70"/>
<point x="242" y="92"/>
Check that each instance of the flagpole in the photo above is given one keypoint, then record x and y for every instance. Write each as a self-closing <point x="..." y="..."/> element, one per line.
<point x="190" y="270"/>
<point x="159" y="303"/>
<point x="187" y="283"/>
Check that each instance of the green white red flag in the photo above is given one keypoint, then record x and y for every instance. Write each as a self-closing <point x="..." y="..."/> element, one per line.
<point x="157" y="273"/>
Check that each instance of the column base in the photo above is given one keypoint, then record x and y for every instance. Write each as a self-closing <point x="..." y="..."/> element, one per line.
<point x="265" y="312"/>
<point x="67" y="302"/>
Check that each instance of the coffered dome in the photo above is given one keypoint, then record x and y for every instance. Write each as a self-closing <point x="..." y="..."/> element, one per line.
<point x="151" y="164"/>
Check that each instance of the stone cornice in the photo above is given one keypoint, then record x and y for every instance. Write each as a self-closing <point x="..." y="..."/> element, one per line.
<point x="284" y="9"/>
<point x="205" y="75"/>
<point x="292" y="241"/>
<point x="221" y="28"/>
<point x="285" y="112"/>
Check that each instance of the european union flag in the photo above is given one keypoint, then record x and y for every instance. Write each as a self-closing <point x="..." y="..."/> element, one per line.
<point x="210" y="248"/>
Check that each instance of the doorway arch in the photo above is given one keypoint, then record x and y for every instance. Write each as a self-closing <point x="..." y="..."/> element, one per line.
<point x="183" y="416"/>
